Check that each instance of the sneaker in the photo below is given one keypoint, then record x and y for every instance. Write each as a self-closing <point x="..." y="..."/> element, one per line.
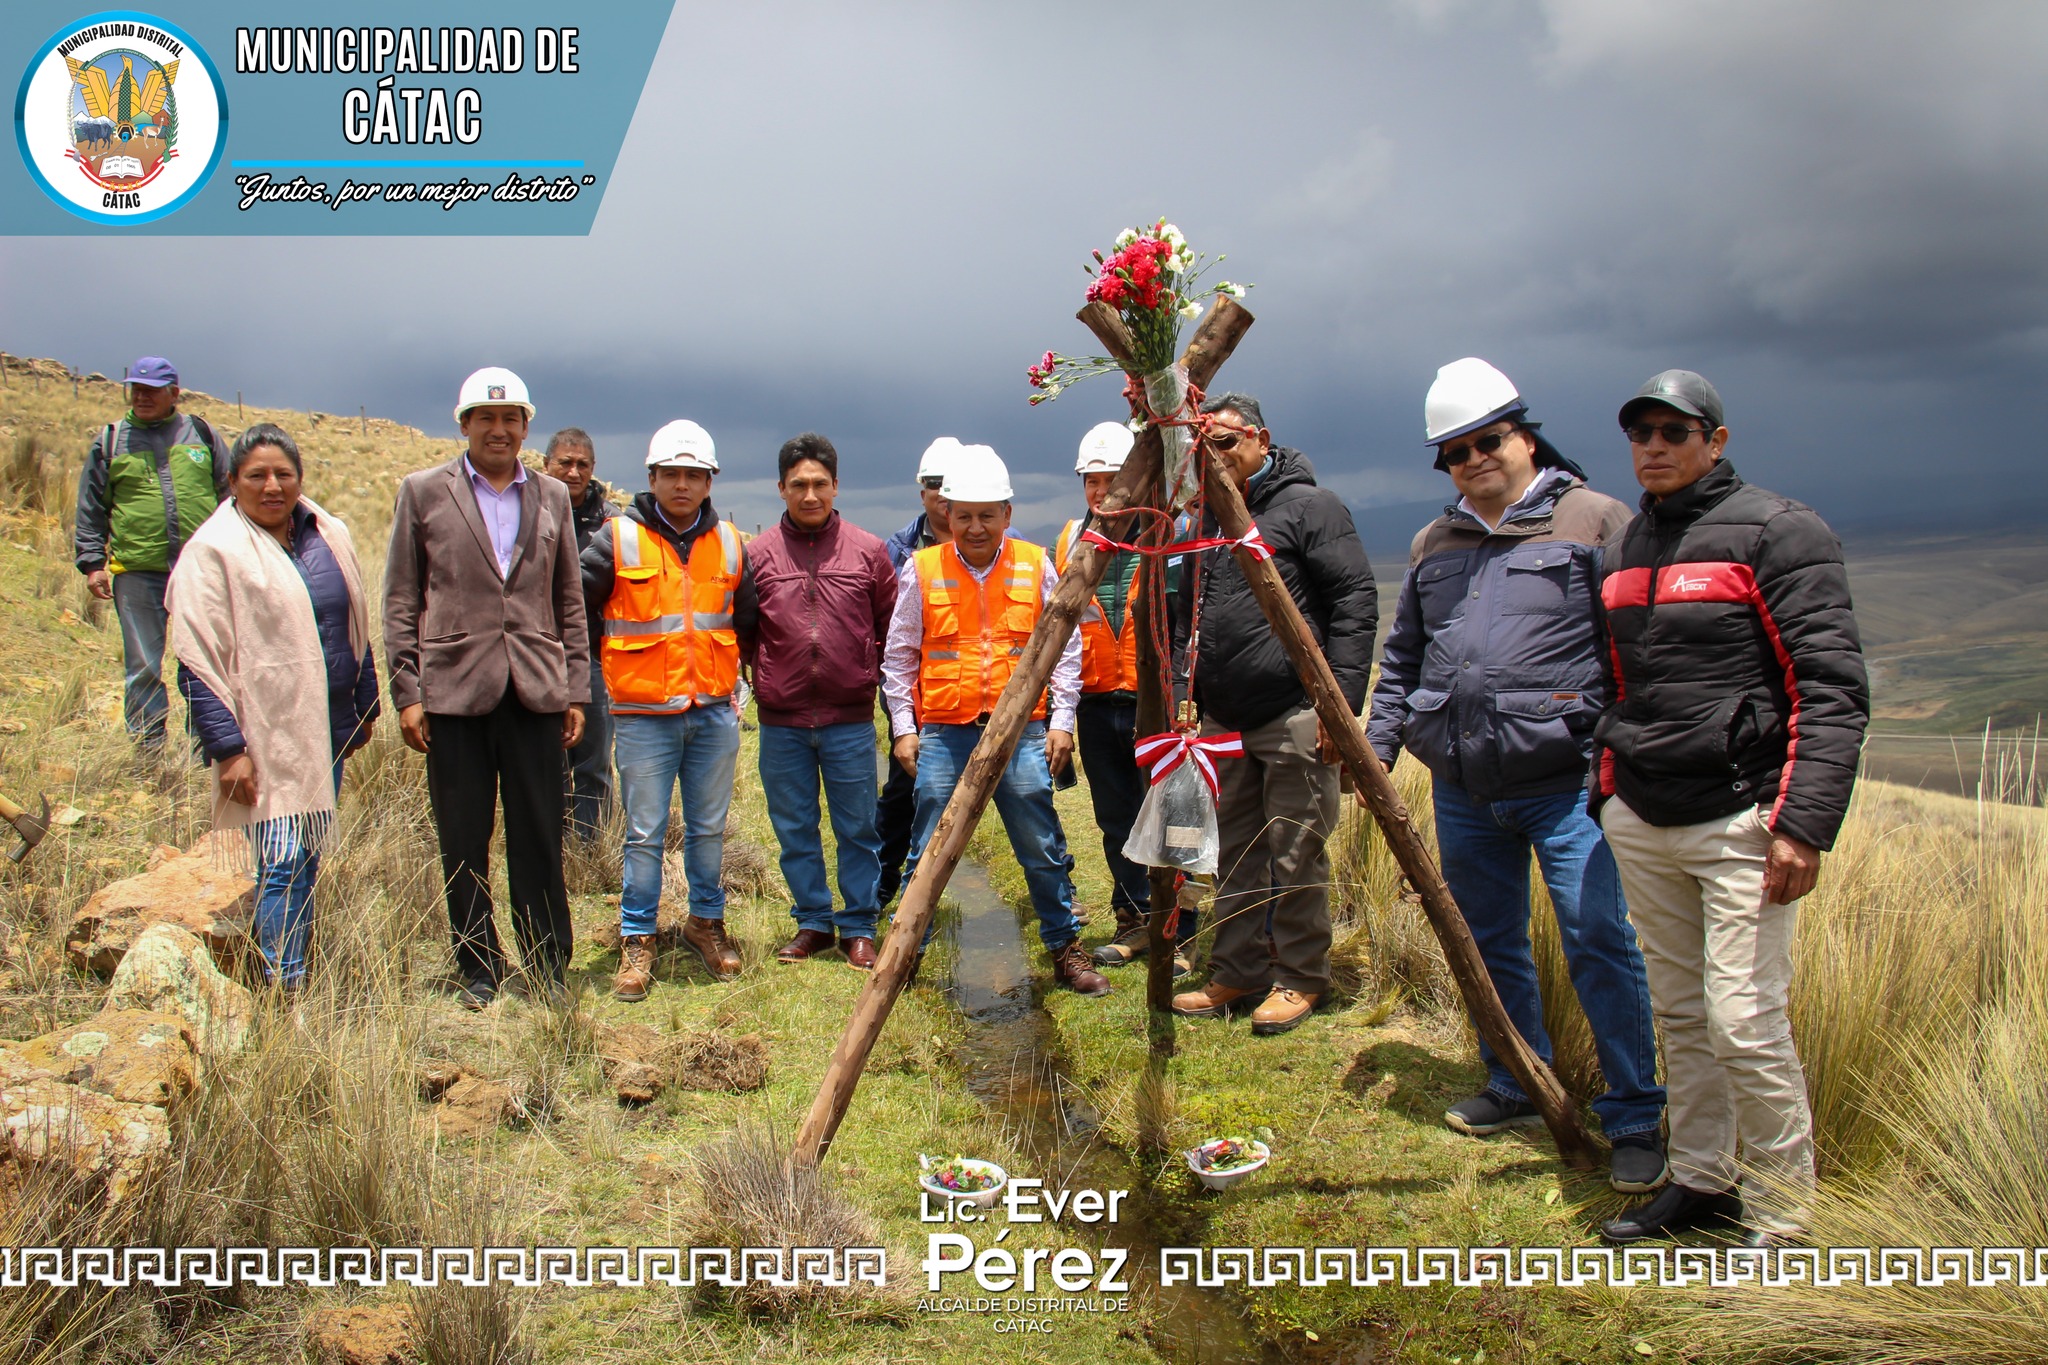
<point x="1636" y="1164"/>
<point x="1282" y="1009"/>
<point x="1070" y="968"/>
<point x="1487" y="1113"/>
<point x="1677" y="1208"/>
<point x="636" y="967"/>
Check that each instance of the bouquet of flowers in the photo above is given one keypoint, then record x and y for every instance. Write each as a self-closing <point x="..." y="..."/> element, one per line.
<point x="1153" y="279"/>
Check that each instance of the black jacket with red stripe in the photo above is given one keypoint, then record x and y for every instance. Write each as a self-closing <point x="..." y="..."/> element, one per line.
<point x="1736" y="677"/>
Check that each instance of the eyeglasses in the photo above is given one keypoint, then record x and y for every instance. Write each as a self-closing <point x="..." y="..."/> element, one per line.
<point x="1674" y="433"/>
<point x="932" y="482"/>
<point x="1485" y="445"/>
<point x="1226" y="439"/>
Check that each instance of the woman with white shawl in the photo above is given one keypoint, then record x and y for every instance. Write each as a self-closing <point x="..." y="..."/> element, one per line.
<point x="268" y="621"/>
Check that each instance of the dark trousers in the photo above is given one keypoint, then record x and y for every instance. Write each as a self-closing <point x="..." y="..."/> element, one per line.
<point x="1107" y="736"/>
<point x="895" y="812"/>
<point x="472" y="762"/>
<point x="587" y="768"/>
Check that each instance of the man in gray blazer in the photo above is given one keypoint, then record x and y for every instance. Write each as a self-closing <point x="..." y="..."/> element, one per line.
<point x="489" y="654"/>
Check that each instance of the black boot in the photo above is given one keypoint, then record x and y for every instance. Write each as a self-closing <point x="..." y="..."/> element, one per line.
<point x="1677" y="1208"/>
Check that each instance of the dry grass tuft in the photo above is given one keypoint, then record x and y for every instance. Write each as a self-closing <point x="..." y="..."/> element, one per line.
<point x="747" y="1196"/>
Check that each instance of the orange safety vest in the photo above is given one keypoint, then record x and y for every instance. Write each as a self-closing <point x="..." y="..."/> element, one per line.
<point x="668" y="638"/>
<point x="974" y="632"/>
<point x="1109" y="662"/>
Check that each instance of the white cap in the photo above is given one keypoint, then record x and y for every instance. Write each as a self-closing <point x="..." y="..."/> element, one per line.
<point x="976" y="474"/>
<point x="491" y="385"/>
<point x="1468" y="394"/>
<point x="932" y="464"/>
<point x="682" y="444"/>
<point x="1105" y="448"/>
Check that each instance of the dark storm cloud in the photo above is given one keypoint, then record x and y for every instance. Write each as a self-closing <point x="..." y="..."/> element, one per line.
<point x="868" y="220"/>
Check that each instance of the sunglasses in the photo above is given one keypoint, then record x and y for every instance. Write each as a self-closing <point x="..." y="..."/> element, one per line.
<point x="1227" y="440"/>
<point x="1485" y="445"/>
<point x="1674" y="433"/>
<point x="932" y="482"/>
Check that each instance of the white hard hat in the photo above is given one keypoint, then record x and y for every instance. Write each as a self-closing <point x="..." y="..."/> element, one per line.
<point x="1105" y="448"/>
<point x="682" y="444"/>
<point x="1468" y="394"/>
<point x="491" y="385"/>
<point x="932" y="464"/>
<point x="976" y="474"/>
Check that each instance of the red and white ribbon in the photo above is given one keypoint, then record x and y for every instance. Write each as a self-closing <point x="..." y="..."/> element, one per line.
<point x="1161" y="754"/>
<point x="1254" y="543"/>
<point x="1251" y="542"/>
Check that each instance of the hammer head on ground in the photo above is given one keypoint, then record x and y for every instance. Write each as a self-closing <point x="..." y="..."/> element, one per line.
<point x="31" y="828"/>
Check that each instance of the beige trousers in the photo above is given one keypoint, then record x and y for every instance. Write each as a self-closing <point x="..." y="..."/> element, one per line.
<point x="1720" y="966"/>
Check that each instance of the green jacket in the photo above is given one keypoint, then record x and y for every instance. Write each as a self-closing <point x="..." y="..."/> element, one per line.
<point x="144" y="490"/>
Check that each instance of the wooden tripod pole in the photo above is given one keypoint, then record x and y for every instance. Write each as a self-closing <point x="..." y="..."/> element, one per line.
<point x="1226" y="503"/>
<point x="1213" y="342"/>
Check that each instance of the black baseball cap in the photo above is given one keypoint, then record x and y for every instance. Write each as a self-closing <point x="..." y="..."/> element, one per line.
<point x="1690" y="393"/>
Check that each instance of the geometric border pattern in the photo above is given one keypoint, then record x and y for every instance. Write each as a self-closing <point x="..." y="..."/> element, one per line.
<point x="1613" y="1267"/>
<point x="426" y="1267"/>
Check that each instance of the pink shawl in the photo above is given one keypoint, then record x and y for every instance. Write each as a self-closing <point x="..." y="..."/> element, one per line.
<point x="242" y="620"/>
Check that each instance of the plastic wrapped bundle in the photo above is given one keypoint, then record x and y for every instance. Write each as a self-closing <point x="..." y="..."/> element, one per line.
<point x="1176" y="826"/>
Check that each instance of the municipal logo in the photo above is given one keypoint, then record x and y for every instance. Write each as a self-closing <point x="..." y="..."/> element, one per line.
<point x="121" y="117"/>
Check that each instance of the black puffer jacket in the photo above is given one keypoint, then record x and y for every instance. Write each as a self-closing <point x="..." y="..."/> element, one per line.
<point x="1737" y="677"/>
<point x="1243" y="677"/>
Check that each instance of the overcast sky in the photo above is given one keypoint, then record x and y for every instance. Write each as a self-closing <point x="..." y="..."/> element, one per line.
<point x="869" y="219"/>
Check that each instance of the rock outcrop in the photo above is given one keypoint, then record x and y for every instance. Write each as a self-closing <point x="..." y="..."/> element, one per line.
<point x="96" y="1098"/>
<point x="170" y="970"/>
<point x="193" y="890"/>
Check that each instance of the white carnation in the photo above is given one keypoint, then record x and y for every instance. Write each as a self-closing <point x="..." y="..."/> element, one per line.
<point x="1125" y="238"/>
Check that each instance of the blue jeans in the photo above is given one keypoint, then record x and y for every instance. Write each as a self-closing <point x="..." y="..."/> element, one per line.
<point x="287" y="865"/>
<point x="1485" y="848"/>
<point x="701" y="746"/>
<point x="589" y="764"/>
<point x="139" y="607"/>
<point x="793" y="760"/>
<point x="1024" y="799"/>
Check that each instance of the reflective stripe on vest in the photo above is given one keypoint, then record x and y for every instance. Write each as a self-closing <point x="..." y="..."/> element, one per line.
<point x="1109" y="660"/>
<point x="668" y="633"/>
<point x="974" y="632"/>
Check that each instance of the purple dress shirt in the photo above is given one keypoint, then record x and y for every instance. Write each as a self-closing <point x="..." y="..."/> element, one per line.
<point x="500" y="513"/>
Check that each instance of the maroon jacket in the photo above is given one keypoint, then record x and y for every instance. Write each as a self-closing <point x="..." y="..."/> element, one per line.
<point x="826" y="596"/>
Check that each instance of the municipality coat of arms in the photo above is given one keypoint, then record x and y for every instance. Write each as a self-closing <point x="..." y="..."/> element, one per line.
<point x="124" y="117"/>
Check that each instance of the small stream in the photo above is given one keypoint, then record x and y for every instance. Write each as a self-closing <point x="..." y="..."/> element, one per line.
<point x="1015" y="1067"/>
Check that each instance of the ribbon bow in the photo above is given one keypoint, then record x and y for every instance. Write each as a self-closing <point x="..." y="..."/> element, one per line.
<point x="1254" y="544"/>
<point x="1163" y="753"/>
<point x="1251" y="542"/>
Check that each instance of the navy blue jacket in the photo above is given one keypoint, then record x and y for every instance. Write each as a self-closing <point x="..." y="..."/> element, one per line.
<point x="351" y="682"/>
<point x="908" y="542"/>
<point x="1491" y="674"/>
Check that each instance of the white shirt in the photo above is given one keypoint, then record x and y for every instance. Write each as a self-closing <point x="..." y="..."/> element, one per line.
<point x="904" y="654"/>
<point x="1544" y="478"/>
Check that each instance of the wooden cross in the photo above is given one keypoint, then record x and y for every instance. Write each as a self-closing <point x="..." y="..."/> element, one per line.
<point x="1141" y="483"/>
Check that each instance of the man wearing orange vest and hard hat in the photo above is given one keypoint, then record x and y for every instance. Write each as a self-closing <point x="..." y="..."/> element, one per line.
<point x="671" y="580"/>
<point x="1107" y="718"/>
<point x="964" y="610"/>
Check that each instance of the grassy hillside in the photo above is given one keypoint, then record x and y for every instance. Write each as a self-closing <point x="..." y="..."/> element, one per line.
<point x="1921" y="1006"/>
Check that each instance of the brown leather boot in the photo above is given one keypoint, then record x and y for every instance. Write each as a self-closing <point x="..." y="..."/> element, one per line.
<point x="1070" y="968"/>
<point x="1213" y="1001"/>
<point x="860" y="953"/>
<point x="807" y="943"/>
<point x="1132" y="942"/>
<point x="707" y="936"/>
<point x="1282" y="1010"/>
<point x="636" y="967"/>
